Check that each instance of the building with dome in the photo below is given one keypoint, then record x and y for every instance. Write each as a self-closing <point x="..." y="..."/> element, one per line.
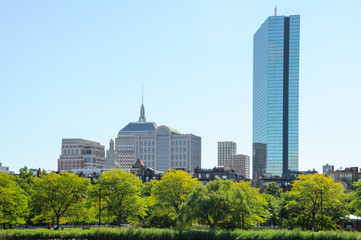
<point x="159" y="147"/>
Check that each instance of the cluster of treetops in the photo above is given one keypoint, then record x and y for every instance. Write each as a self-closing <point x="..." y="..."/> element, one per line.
<point x="176" y="201"/>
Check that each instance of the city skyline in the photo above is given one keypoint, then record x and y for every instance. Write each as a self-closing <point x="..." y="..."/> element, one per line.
<point x="68" y="67"/>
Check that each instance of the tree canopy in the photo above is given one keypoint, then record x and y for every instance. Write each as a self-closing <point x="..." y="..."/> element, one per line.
<point x="212" y="203"/>
<point x="59" y="196"/>
<point x="168" y="195"/>
<point x="25" y="179"/>
<point x="13" y="201"/>
<point x="255" y="204"/>
<point x="273" y="189"/>
<point x="317" y="201"/>
<point x="121" y="196"/>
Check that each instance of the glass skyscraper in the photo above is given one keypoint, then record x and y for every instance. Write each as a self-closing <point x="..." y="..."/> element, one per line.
<point x="275" y="96"/>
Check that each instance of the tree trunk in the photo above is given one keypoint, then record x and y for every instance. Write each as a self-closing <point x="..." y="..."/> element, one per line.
<point x="119" y="220"/>
<point x="242" y="221"/>
<point x="57" y="221"/>
<point x="213" y="225"/>
<point x="313" y="220"/>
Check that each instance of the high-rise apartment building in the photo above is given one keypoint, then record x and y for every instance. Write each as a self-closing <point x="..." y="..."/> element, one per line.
<point x="230" y="160"/>
<point x="226" y="151"/>
<point x="275" y="96"/>
<point x="160" y="148"/>
<point x="77" y="153"/>
<point x="241" y="165"/>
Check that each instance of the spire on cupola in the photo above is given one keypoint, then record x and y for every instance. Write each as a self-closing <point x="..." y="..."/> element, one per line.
<point x="111" y="145"/>
<point x="142" y="111"/>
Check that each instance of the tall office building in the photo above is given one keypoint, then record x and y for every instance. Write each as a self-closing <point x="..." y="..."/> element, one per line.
<point x="241" y="165"/>
<point x="228" y="158"/>
<point x="275" y="96"/>
<point x="160" y="148"/>
<point x="226" y="151"/>
<point x="77" y="153"/>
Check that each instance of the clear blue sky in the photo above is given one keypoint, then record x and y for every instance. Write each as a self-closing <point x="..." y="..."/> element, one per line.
<point x="75" y="69"/>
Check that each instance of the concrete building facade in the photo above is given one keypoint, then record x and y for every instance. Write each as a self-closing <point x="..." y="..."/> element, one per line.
<point x="160" y="148"/>
<point x="230" y="160"/>
<point x="327" y="169"/>
<point x="346" y="177"/>
<point x="77" y="153"/>
<point x="111" y="158"/>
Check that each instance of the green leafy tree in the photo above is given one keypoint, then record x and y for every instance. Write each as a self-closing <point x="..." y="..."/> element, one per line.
<point x="121" y="199"/>
<point x="255" y="207"/>
<point x="272" y="194"/>
<point x="273" y="189"/>
<point x="212" y="203"/>
<point x="310" y="193"/>
<point x="168" y="195"/>
<point x="284" y="214"/>
<point x="274" y="209"/>
<point x="59" y="196"/>
<point x="13" y="201"/>
<point x="25" y="179"/>
<point x="354" y="199"/>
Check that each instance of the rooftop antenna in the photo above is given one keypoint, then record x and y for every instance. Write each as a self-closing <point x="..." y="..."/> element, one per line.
<point x="275" y="10"/>
<point x="142" y="94"/>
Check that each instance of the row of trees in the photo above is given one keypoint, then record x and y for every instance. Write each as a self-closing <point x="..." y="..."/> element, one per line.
<point x="177" y="200"/>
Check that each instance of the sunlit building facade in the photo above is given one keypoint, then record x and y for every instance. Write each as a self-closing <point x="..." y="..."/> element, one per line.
<point x="275" y="96"/>
<point x="159" y="147"/>
<point x="226" y="151"/>
<point x="230" y="160"/>
<point x="77" y="153"/>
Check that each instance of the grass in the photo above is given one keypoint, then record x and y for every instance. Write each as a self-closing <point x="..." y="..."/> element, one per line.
<point x="168" y="234"/>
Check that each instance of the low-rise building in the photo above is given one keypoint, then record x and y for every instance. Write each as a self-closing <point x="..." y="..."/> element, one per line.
<point x="284" y="182"/>
<point x="3" y="168"/>
<point x="145" y="173"/>
<point x="207" y="175"/>
<point x="347" y="177"/>
<point x="327" y="169"/>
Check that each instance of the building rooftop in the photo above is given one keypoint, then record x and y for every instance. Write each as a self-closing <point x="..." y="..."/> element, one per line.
<point x="139" y="127"/>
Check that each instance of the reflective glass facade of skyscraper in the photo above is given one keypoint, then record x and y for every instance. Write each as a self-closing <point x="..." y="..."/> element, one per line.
<point x="275" y="96"/>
